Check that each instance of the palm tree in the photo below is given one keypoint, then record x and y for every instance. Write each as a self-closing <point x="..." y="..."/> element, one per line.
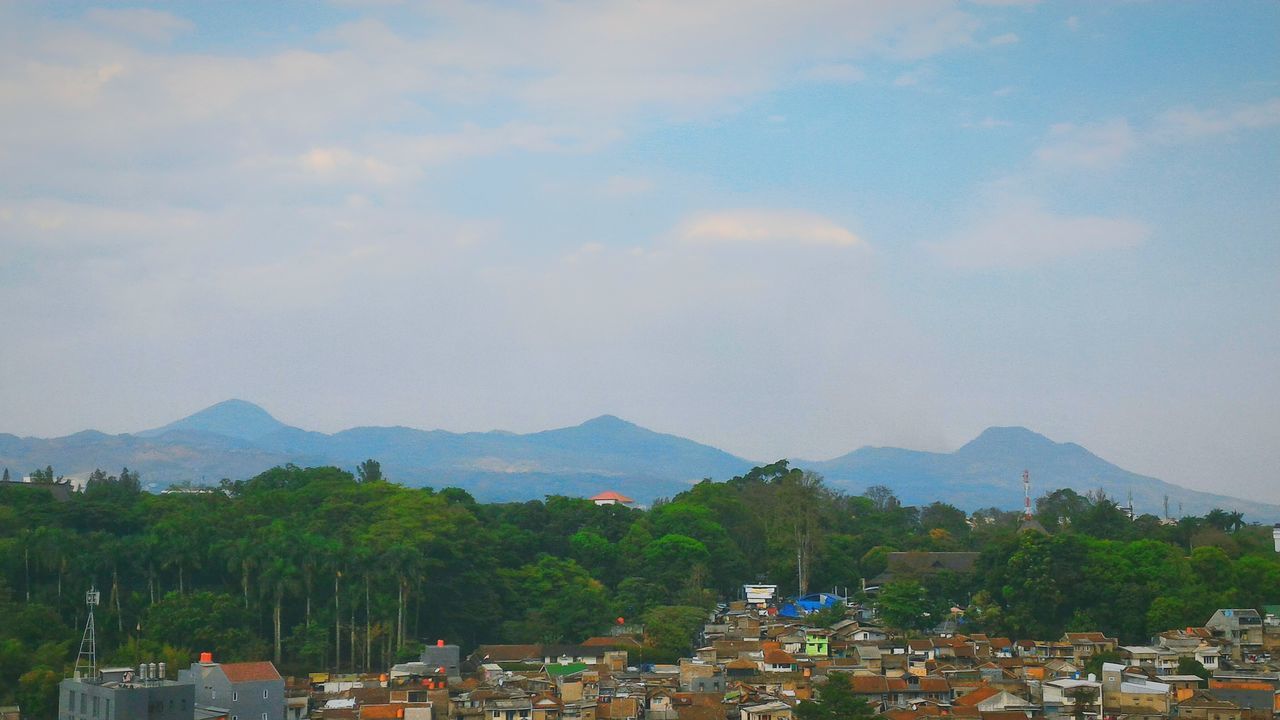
<point x="1235" y="520"/>
<point x="279" y="574"/>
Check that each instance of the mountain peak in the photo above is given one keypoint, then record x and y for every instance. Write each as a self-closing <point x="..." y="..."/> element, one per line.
<point x="1006" y="438"/>
<point x="231" y="418"/>
<point x="609" y="422"/>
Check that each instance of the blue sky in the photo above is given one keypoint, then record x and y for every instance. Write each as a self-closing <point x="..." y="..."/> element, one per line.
<point x="786" y="229"/>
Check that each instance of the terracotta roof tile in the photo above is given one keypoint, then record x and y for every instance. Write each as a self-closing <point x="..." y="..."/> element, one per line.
<point x="250" y="671"/>
<point x="971" y="699"/>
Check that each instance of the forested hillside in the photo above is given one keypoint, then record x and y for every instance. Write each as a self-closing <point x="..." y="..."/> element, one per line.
<point x="317" y="568"/>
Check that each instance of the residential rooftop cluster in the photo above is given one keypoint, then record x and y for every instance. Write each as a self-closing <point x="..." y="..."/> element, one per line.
<point x="755" y="659"/>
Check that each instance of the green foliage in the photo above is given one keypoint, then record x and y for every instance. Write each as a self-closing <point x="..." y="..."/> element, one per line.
<point x="555" y="601"/>
<point x="905" y="605"/>
<point x="1191" y="666"/>
<point x="836" y="701"/>
<point x="204" y="621"/>
<point x="670" y="629"/>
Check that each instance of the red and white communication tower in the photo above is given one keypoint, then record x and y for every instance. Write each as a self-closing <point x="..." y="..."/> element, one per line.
<point x="1026" y="492"/>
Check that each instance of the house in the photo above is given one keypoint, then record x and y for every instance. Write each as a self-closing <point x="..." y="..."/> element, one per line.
<point x="1241" y="627"/>
<point x="1204" y="705"/>
<point x="779" y="661"/>
<point x="10" y="712"/>
<point x="609" y="497"/>
<point x="882" y="692"/>
<point x="817" y="642"/>
<point x="922" y="564"/>
<point x="445" y="658"/>
<point x="394" y="711"/>
<point x="509" y="654"/>
<point x="1060" y="697"/>
<point x="929" y="688"/>
<point x="1087" y="644"/>
<point x="990" y="699"/>
<point x="1162" y="660"/>
<point x="1130" y="690"/>
<point x="1256" y="693"/>
<point x="248" y="690"/>
<point x="618" y="708"/>
<point x="122" y="694"/>
<point x="566" y="654"/>
<point x="775" y="710"/>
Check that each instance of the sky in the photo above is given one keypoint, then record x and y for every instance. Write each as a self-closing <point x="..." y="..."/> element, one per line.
<point x="785" y="229"/>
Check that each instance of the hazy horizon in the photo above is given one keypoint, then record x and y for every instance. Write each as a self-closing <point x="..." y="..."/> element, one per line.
<point x="783" y="230"/>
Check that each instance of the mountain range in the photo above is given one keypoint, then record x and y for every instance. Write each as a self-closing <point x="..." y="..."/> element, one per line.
<point x="237" y="439"/>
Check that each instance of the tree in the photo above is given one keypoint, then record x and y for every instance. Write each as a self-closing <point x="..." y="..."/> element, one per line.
<point x="38" y="692"/>
<point x="204" y="621"/>
<point x="882" y="497"/>
<point x="836" y="701"/>
<point x="904" y="605"/>
<point x="1191" y="666"/>
<point x="369" y="471"/>
<point x="671" y="629"/>
<point x="1082" y="698"/>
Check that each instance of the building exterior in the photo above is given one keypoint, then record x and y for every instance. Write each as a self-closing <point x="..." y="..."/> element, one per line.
<point x="119" y="694"/>
<point x="446" y="659"/>
<point x="610" y="497"/>
<point x="1242" y="627"/>
<point x="246" y="691"/>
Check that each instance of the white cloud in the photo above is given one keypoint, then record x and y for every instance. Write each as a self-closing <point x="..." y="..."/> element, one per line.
<point x="1098" y="146"/>
<point x="1104" y="145"/>
<point x="1072" y="23"/>
<point x="1005" y="39"/>
<point x="766" y="227"/>
<point x="1021" y="234"/>
<point x="1183" y="124"/>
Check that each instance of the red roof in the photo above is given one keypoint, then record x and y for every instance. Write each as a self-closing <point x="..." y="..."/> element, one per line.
<point x="611" y="495"/>
<point x="778" y="657"/>
<point x="977" y="696"/>
<point x="250" y="671"/>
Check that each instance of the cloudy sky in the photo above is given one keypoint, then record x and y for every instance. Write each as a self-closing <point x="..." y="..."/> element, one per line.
<point x="786" y="229"/>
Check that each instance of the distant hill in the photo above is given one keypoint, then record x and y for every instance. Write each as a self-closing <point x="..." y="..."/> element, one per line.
<point x="238" y="439"/>
<point x="987" y="472"/>
<point x="230" y="418"/>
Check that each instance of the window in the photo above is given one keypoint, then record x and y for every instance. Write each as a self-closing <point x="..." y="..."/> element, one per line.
<point x="264" y="697"/>
<point x="264" y="715"/>
<point x="95" y="706"/>
<point x="235" y="696"/>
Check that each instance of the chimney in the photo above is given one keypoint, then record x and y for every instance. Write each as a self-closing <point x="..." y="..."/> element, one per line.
<point x="206" y="658"/>
<point x="163" y="674"/>
<point x="153" y="672"/>
<point x="440" y="643"/>
<point x="142" y="673"/>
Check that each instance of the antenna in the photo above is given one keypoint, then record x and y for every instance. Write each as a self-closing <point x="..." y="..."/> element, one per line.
<point x="1166" y="506"/>
<point x="1026" y="492"/>
<point x="88" y="657"/>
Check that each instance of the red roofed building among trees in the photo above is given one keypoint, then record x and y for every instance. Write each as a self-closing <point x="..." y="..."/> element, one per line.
<point x="609" y="497"/>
